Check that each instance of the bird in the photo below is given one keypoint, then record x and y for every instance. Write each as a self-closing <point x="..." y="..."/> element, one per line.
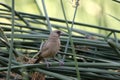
<point x="50" y="47"/>
<point x="48" y="50"/>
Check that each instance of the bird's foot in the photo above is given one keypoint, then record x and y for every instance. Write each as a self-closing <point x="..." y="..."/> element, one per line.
<point x="48" y="64"/>
<point x="61" y="62"/>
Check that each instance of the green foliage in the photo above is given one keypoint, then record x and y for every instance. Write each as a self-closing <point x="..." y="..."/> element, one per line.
<point x="95" y="56"/>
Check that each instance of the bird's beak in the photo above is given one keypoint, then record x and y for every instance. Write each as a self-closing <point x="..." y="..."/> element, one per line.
<point x="62" y="33"/>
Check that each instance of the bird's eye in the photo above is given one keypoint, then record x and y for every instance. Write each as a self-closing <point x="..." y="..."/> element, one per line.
<point x="58" y="32"/>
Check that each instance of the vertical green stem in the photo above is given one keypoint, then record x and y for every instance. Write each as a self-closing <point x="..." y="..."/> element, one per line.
<point x="46" y="15"/>
<point x="38" y="6"/>
<point x="70" y="38"/>
<point x="11" y="45"/>
<point x="115" y="36"/>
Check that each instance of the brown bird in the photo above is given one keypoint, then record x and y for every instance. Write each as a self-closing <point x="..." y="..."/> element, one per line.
<point x="50" y="47"/>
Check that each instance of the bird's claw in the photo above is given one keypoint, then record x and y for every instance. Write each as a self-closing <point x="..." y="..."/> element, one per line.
<point x="48" y="64"/>
<point x="61" y="62"/>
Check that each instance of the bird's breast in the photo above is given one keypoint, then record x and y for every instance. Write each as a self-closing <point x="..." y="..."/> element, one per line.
<point x="53" y="48"/>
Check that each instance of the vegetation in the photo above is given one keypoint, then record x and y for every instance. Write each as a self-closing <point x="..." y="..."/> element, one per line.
<point x="86" y="55"/>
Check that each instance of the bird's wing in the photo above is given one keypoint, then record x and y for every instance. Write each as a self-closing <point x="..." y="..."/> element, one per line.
<point x="45" y="46"/>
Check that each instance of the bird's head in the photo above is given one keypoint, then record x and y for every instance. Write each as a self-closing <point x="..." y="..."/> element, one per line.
<point x="56" y="33"/>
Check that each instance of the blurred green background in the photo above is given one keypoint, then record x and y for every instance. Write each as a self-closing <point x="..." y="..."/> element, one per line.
<point x="95" y="12"/>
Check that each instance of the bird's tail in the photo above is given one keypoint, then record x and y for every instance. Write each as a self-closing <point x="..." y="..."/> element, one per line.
<point x="39" y="59"/>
